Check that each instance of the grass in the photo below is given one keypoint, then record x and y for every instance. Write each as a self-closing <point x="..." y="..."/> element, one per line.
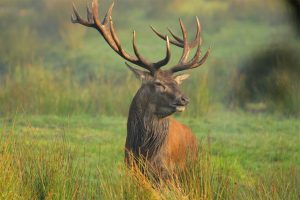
<point x="67" y="140"/>
<point x="243" y="156"/>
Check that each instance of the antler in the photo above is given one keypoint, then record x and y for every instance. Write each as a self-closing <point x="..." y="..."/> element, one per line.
<point x="183" y="64"/>
<point x="106" y="29"/>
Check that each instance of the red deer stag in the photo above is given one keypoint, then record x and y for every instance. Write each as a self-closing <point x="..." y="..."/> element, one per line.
<point x="151" y="133"/>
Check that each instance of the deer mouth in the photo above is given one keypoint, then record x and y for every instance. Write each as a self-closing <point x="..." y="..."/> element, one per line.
<point x="180" y="108"/>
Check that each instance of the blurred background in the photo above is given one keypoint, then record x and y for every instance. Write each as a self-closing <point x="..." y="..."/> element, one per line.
<point x="50" y="66"/>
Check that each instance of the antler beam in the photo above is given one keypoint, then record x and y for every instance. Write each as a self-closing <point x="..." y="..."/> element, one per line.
<point x="106" y="29"/>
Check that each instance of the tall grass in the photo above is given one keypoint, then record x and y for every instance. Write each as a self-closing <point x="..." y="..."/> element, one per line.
<point x="35" y="90"/>
<point x="29" y="170"/>
<point x="33" y="170"/>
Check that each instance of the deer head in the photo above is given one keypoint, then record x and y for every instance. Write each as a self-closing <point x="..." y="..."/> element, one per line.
<point x="160" y="88"/>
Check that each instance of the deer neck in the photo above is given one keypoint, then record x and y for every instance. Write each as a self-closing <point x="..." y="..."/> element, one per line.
<point x="146" y="132"/>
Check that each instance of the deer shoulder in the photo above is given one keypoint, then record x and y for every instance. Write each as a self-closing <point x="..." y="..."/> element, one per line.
<point x="181" y="144"/>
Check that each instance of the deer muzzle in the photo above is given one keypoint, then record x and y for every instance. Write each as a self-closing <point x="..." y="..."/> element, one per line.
<point x="181" y="103"/>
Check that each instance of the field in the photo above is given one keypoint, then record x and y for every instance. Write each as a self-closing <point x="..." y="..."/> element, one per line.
<point x="82" y="157"/>
<point x="65" y="95"/>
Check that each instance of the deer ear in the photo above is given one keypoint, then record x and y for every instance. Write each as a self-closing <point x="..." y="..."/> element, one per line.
<point x="139" y="74"/>
<point x="180" y="78"/>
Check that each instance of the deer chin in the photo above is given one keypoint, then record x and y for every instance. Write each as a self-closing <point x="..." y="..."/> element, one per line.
<point x="180" y="108"/>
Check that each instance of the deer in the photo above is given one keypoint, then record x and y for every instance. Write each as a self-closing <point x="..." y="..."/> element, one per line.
<point x="152" y="134"/>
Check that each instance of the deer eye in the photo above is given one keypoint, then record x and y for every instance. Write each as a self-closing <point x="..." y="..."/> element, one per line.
<point x="160" y="86"/>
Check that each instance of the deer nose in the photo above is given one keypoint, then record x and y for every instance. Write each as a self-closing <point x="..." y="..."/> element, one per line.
<point x="184" y="100"/>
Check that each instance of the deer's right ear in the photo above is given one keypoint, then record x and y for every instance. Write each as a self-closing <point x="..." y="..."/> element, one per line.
<point x="139" y="74"/>
<point x="181" y="77"/>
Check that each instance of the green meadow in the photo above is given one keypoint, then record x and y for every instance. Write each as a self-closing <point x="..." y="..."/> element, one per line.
<point x="243" y="156"/>
<point x="65" y="95"/>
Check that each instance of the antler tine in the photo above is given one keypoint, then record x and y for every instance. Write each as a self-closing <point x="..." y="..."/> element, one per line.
<point x="166" y="60"/>
<point x="142" y="61"/>
<point x="202" y="61"/>
<point x="115" y="37"/>
<point x="174" y="42"/>
<point x="76" y="18"/>
<point x="107" y="17"/>
<point x="186" y="48"/>
<point x="178" y="41"/>
<point x="197" y="39"/>
<point x="193" y="64"/>
<point x="96" y="15"/>
<point x="175" y="36"/>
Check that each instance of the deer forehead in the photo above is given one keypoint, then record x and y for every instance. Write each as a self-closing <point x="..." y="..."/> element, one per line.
<point x="164" y="77"/>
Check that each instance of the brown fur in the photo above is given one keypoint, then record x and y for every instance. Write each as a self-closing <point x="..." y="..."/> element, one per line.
<point x="180" y="145"/>
<point x="161" y="141"/>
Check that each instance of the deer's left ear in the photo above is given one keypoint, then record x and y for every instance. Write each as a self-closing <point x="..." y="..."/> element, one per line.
<point x="139" y="74"/>
<point x="180" y="78"/>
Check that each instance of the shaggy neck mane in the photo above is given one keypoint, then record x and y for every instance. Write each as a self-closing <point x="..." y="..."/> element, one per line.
<point x="146" y="132"/>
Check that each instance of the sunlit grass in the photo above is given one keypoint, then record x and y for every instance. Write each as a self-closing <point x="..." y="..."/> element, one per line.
<point x="241" y="157"/>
